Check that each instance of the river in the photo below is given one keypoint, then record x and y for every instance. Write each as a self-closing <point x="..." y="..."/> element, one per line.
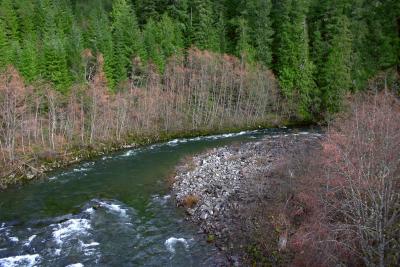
<point x="112" y="211"/>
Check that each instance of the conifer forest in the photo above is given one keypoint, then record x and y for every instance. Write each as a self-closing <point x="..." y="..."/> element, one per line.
<point x="271" y="125"/>
<point x="78" y="73"/>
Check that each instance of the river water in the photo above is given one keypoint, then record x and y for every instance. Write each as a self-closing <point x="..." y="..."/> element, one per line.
<point x="113" y="211"/>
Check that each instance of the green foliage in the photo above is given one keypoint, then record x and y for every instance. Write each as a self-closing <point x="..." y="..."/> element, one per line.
<point x="203" y="32"/>
<point x="319" y="49"/>
<point x="28" y="62"/>
<point x="100" y="39"/>
<point x="294" y="67"/>
<point x="257" y="13"/>
<point x="244" y="48"/>
<point x="127" y="39"/>
<point x="162" y="40"/>
<point x="55" y="62"/>
<point x="332" y="50"/>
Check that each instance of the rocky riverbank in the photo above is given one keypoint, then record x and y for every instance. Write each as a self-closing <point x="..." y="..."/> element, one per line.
<point x="223" y="189"/>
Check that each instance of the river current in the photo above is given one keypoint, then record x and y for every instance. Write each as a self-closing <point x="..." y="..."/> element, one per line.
<point x="113" y="211"/>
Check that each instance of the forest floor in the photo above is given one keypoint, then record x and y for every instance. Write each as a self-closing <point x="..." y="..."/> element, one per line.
<point x="235" y="194"/>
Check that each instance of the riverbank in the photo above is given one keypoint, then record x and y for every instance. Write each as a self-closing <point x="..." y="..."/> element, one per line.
<point x="35" y="166"/>
<point x="232" y="193"/>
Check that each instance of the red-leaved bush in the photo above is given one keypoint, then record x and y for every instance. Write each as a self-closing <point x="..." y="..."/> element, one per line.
<point x="346" y="205"/>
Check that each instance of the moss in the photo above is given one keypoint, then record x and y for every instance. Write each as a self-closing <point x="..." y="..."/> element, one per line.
<point x="210" y="238"/>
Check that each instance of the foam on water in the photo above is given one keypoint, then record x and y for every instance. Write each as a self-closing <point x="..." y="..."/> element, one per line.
<point x="84" y="168"/>
<point x="89" y="210"/>
<point x="129" y="153"/>
<point x="23" y="260"/>
<point x="161" y="199"/>
<point x="14" y="239"/>
<point x="89" y="249"/>
<point x="75" y="265"/>
<point x="211" y="137"/>
<point x="70" y="229"/>
<point x="171" y="243"/>
<point x="114" y="208"/>
<point x="30" y="239"/>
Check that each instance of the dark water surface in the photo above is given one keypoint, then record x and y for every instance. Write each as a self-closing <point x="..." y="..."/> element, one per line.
<point x="114" y="211"/>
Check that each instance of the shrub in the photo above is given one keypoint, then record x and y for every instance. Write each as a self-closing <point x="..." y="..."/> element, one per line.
<point x="190" y="201"/>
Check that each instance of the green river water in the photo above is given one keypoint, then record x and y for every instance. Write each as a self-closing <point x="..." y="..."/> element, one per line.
<point x="112" y="211"/>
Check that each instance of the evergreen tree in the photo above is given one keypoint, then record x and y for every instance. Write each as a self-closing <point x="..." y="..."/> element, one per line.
<point x="332" y="53"/>
<point x="74" y="48"/>
<point x="10" y="19"/>
<point x="151" y="41"/>
<point x="100" y="40"/>
<point x="203" y="33"/>
<point x="127" y="39"/>
<point x="54" y="61"/>
<point x="147" y="9"/>
<point x="335" y="75"/>
<point x="294" y="67"/>
<point x="28" y="62"/>
<point x="6" y="56"/>
<point x="171" y="38"/>
<point x="26" y="17"/>
<point x="178" y="11"/>
<point x="162" y="40"/>
<point x="10" y="25"/>
<point x="257" y="13"/>
<point x="244" y="48"/>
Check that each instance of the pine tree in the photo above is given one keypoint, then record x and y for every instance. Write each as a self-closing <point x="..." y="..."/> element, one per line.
<point x="147" y="9"/>
<point x="162" y="40"/>
<point x="257" y="13"/>
<point x="127" y="39"/>
<point x="178" y="11"/>
<point x="335" y="76"/>
<point x="151" y="41"/>
<point x="28" y="62"/>
<point x="100" y="40"/>
<point x="10" y="19"/>
<point x="55" y="65"/>
<point x="171" y="38"/>
<point x="332" y="52"/>
<point x="74" y="47"/>
<point x="10" y="26"/>
<point x="203" y="33"/>
<point x="26" y="17"/>
<point x="244" y="48"/>
<point x="294" y="67"/>
<point x="6" y="56"/>
<point x="64" y="17"/>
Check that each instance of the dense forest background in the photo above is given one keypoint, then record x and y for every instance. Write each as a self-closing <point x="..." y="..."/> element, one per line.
<point x="319" y="49"/>
<point x="81" y="77"/>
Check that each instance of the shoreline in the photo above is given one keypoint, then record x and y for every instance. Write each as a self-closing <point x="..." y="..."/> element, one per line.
<point x="222" y="190"/>
<point x="26" y="171"/>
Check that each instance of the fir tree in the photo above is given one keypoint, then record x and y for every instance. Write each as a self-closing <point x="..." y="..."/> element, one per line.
<point x="151" y="41"/>
<point x="257" y="13"/>
<point x="127" y="39"/>
<point x="244" y="48"/>
<point x="6" y="56"/>
<point x="203" y="33"/>
<point x="162" y="40"/>
<point x="10" y="25"/>
<point x="100" y="40"/>
<point x="332" y="53"/>
<point x="294" y="67"/>
<point x="28" y="60"/>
